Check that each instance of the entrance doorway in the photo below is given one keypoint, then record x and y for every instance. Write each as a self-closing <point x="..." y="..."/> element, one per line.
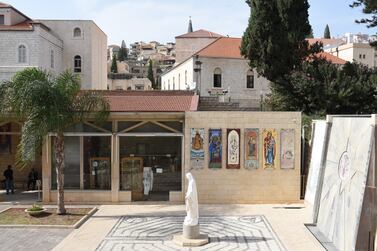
<point x="150" y="166"/>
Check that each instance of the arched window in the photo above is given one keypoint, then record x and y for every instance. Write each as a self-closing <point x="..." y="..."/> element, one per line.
<point x="22" y="53"/>
<point x="77" y="32"/>
<point x="77" y="63"/>
<point x="217" y="78"/>
<point x="250" y="79"/>
<point x="52" y="59"/>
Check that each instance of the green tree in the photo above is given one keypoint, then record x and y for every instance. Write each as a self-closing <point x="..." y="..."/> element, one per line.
<point x="123" y="52"/>
<point x="321" y="88"/>
<point x="369" y="8"/>
<point x="327" y="33"/>
<point x="114" y="66"/>
<point x="151" y="75"/>
<point x="48" y="104"/>
<point x="274" y="40"/>
<point x="311" y="34"/>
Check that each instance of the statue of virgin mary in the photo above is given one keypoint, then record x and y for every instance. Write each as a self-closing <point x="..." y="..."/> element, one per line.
<point x="191" y="199"/>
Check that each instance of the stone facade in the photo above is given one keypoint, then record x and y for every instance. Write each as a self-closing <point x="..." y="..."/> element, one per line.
<point x="361" y="53"/>
<point x="241" y="185"/>
<point x="186" y="47"/>
<point x="52" y="46"/>
<point x="91" y="46"/>
<point x="214" y="186"/>
<point x="39" y="43"/>
<point x="234" y="79"/>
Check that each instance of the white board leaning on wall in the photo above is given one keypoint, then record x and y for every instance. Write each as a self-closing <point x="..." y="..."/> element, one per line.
<point x="318" y="145"/>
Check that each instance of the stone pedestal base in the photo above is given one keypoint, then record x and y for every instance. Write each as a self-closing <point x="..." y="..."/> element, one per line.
<point x="191" y="232"/>
<point x="191" y="237"/>
<point x="183" y="242"/>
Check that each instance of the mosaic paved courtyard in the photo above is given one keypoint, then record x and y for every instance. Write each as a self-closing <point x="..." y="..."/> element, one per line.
<point x="225" y="232"/>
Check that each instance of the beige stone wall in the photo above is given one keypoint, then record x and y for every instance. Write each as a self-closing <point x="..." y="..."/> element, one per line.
<point x="241" y="185"/>
<point x="186" y="47"/>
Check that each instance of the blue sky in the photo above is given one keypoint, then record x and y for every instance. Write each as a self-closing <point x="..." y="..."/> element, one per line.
<point x="162" y="20"/>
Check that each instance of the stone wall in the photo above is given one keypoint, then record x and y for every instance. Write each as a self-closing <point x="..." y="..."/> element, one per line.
<point x="186" y="47"/>
<point x="241" y="185"/>
<point x="234" y="76"/>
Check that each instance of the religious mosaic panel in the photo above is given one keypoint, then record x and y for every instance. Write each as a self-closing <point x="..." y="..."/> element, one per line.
<point x="215" y="148"/>
<point x="233" y="149"/>
<point x="251" y="148"/>
<point x="287" y="146"/>
<point x="197" y="148"/>
<point x="270" y="145"/>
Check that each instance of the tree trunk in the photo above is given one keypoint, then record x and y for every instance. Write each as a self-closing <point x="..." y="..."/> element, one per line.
<point x="59" y="156"/>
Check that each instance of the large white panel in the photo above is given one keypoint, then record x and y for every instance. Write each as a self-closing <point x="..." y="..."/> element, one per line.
<point x="344" y="181"/>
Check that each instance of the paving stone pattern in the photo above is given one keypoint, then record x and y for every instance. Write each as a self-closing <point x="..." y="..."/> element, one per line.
<point x="226" y="233"/>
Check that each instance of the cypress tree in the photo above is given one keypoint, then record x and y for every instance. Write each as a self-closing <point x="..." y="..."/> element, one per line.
<point x="114" y="66"/>
<point x="123" y="54"/>
<point x="327" y="33"/>
<point x="274" y="40"/>
<point x="151" y="75"/>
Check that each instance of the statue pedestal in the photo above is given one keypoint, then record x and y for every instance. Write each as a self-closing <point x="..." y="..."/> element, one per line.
<point x="191" y="237"/>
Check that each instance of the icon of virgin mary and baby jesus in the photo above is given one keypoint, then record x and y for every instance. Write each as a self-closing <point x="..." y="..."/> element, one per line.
<point x="269" y="150"/>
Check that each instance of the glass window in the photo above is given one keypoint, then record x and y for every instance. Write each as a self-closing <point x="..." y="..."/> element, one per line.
<point x="52" y="59"/>
<point x="250" y="80"/>
<point x="77" y="63"/>
<point x="77" y="32"/>
<point x="22" y="54"/>
<point x="179" y="81"/>
<point x="72" y="163"/>
<point x="2" y="20"/>
<point x="217" y="78"/>
<point x="150" y="167"/>
<point x="173" y="83"/>
<point x="185" y="77"/>
<point x="97" y="163"/>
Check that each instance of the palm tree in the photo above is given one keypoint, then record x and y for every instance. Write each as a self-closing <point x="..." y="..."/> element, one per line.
<point x="48" y="104"/>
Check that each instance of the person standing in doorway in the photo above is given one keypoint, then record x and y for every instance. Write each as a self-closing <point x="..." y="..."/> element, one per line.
<point x="8" y="174"/>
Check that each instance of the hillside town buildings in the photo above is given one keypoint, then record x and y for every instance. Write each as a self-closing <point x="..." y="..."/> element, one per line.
<point x="53" y="45"/>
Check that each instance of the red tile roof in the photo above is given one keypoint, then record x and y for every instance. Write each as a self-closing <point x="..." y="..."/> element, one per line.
<point x="27" y="25"/>
<point x="152" y="101"/>
<point x="331" y="58"/>
<point x="200" y="34"/>
<point x="224" y="47"/>
<point x="326" y="41"/>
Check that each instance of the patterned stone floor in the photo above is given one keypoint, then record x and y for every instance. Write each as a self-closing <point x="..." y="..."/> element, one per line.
<point x="226" y="233"/>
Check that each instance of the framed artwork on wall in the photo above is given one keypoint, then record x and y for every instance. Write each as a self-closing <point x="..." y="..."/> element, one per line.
<point x="215" y="148"/>
<point x="233" y="149"/>
<point x="287" y="146"/>
<point x="251" y="148"/>
<point x="270" y="149"/>
<point x="197" y="148"/>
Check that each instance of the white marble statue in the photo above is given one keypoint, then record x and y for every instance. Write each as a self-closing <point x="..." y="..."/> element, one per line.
<point x="191" y="199"/>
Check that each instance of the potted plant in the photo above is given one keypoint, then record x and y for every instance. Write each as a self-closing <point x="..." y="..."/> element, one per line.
<point x="35" y="210"/>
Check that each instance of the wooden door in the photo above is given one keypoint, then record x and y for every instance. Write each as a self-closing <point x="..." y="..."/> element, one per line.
<point x="131" y="177"/>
